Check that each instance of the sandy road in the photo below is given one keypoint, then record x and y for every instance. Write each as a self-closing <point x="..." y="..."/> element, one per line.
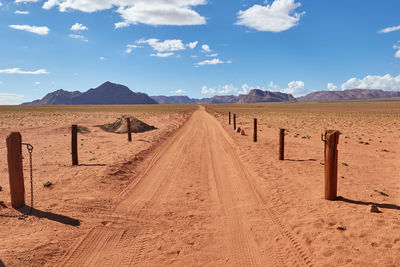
<point x="196" y="203"/>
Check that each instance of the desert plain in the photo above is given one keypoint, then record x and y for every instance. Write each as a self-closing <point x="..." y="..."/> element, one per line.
<point x="194" y="192"/>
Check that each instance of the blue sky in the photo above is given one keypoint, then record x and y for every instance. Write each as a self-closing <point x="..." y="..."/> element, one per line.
<point x="197" y="48"/>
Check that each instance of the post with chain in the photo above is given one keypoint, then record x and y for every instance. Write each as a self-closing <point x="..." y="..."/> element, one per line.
<point x="15" y="170"/>
<point x="229" y="117"/>
<point x="234" y="121"/>
<point x="255" y="130"/>
<point x="281" y="144"/>
<point x="74" y="144"/>
<point x="128" y="127"/>
<point x="331" y="163"/>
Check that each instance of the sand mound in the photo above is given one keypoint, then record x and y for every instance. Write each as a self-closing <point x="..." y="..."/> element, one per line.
<point x="119" y="126"/>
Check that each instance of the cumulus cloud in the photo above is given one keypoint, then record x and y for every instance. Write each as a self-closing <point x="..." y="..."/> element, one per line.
<point x="192" y="45"/>
<point x="19" y="12"/>
<point x="1" y="4"/>
<point x="386" y="82"/>
<point x="150" y="12"/>
<point x="206" y="48"/>
<point x="78" y="27"/>
<point x="130" y="47"/>
<point x="162" y="54"/>
<point x="213" y="55"/>
<point x="331" y="87"/>
<point x="295" y="88"/>
<point x="101" y="58"/>
<point x="10" y="99"/>
<point x="19" y="71"/>
<point x="79" y="37"/>
<point x="390" y="29"/>
<point x="36" y="83"/>
<point x="207" y="91"/>
<point x="121" y="24"/>
<point x="42" y="30"/>
<point x="165" y="46"/>
<point x="213" y="61"/>
<point x="227" y="89"/>
<point x="276" y="17"/>
<point x="180" y="91"/>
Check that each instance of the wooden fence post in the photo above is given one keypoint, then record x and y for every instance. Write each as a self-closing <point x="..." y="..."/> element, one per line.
<point x="255" y="130"/>
<point x="234" y="121"/>
<point x="15" y="170"/>
<point x="331" y="164"/>
<point x="281" y="144"/>
<point x="74" y="144"/>
<point x="128" y="126"/>
<point x="229" y="117"/>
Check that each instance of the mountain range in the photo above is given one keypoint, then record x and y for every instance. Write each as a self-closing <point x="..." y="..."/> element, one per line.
<point x="113" y="94"/>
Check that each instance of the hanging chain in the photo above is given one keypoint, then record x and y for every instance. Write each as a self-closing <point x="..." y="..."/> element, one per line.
<point x="25" y="215"/>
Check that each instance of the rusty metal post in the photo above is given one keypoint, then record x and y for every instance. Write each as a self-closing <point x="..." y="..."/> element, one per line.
<point x="255" y="130"/>
<point x="234" y="121"/>
<point x="281" y="144"/>
<point x="74" y="144"/>
<point x="15" y="170"/>
<point x="331" y="163"/>
<point x="128" y="126"/>
<point x="229" y="117"/>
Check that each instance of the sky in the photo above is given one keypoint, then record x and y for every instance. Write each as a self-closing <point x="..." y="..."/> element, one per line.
<point x="198" y="48"/>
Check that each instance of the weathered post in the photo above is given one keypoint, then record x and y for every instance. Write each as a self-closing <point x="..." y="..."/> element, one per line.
<point x="255" y="130"/>
<point x="128" y="126"/>
<point x="234" y="121"/>
<point x="74" y="144"/>
<point x="15" y="170"/>
<point x="331" y="164"/>
<point x="281" y="144"/>
<point x="229" y="117"/>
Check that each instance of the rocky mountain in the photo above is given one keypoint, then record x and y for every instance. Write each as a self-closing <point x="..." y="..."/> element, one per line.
<point x="258" y="96"/>
<point x="181" y="99"/>
<point x="352" y="94"/>
<point x="255" y="96"/>
<point x="106" y="94"/>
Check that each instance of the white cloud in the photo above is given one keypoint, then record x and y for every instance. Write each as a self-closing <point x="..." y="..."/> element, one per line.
<point x="1" y="82"/>
<point x="389" y="29"/>
<point x="192" y="45"/>
<point x="273" y="87"/>
<point x="295" y="88"/>
<point x="397" y="54"/>
<point x="331" y="87"/>
<point x="227" y="89"/>
<point x="43" y="30"/>
<point x="101" y="58"/>
<point x="10" y="99"/>
<point x="79" y="37"/>
<point x="245" y="89"/>
<point x="213" y="55"/>
<point x="37" y="83"/>
<point x="130" y="47"/>
<point x="19" y="12"/>
<point x="1" y="4"/>
<point x="151" y="12"/>
<point x="276" y="17"/>
<point x="19" y="71"/>
<point x="50" y="4"/>
<point x="386" y="82"/>
<point x="180" y="91"/>
<point x="78" y="27"/>
<point x="213" y="61"/>
<point x="206" y="48"/>
<point x="207" y="91"/>
<point x="121" y="24"/>
<point x="398" y="50"/>
<point x="165" y="46"/>
<point x="162" y="54"/>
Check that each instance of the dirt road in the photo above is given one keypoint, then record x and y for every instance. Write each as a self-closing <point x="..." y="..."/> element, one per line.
<point x="196" y="203"/>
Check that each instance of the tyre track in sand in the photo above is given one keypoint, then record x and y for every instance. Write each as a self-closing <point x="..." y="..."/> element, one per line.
<point x="194" y="204"/>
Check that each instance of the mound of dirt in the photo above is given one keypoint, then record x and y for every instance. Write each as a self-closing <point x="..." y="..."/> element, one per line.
<point x="119" y="126"/>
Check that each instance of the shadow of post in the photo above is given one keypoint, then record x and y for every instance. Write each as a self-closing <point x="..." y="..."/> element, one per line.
<point x="2" y="264"/>
<point x="51" y="216"/>
<point x="94" y="164"/>
<point x="300" y="160"/>
<point x="364" y="203"/>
